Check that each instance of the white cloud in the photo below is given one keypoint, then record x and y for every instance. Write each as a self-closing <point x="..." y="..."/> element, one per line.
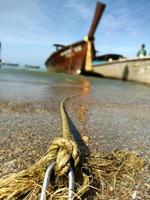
<point x="122" y="16"/>
<point x="22" y="21"/>
<point x="80" y="7"/>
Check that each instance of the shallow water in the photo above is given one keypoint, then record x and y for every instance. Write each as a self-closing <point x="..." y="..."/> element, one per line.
<point x="113" y="114"/>
<point x="23" y="83"/>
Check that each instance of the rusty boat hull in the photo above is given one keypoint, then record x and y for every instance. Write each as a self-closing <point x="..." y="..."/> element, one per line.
<point x="70" y="59"/>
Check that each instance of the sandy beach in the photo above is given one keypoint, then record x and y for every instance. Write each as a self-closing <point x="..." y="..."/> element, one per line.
<point x="113" y="114"/>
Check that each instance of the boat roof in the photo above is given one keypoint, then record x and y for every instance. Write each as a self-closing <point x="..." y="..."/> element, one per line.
<point x="106" y="57"/>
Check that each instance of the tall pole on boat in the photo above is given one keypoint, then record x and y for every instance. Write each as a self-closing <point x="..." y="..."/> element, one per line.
<point x="100" y="7"/>
<point x="90" y="38"/>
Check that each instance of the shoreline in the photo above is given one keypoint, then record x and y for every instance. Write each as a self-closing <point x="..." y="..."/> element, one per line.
<point x="112" y="115"/>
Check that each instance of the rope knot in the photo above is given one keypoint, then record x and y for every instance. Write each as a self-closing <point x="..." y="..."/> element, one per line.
<point x="63" y="151"/>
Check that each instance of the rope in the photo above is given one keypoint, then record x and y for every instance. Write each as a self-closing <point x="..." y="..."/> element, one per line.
<point x="115" y="170"/>
<point x="64" y="150"/>
<point x="66" y="132"/>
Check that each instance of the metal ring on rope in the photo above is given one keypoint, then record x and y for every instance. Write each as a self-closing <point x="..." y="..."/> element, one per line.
<point x="47" y="180"/>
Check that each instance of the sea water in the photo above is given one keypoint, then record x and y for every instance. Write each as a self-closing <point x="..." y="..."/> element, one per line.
<point x="115" y="113"/>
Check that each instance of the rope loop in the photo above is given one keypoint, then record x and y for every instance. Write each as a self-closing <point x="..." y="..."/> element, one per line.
<point x="63" y="151"/>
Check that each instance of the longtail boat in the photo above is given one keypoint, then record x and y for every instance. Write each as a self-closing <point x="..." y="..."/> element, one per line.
<point x="76" y="57"/>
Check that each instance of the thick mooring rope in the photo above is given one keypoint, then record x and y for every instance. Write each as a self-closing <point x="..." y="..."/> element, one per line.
<point x="107" y="175"/>
<point x="62" y="150"/>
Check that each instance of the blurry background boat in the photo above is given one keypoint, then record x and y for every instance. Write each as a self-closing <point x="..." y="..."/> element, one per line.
<point x="10" y="64"/>
<point x="32" y="66"/>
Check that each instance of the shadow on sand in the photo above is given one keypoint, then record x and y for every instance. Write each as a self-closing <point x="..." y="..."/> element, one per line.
<point x="84" y="153"/>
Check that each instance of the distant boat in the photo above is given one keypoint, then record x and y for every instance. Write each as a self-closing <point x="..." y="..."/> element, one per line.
<point x="32" y="66"/>
<point x="76" y="57"/>
<point x="10" y="64"/>
<point x="3" y="63"/>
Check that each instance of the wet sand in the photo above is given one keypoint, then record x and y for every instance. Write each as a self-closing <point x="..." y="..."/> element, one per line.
<point x="114" y="115"/>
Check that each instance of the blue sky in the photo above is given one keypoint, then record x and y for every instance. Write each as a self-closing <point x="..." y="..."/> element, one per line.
<point x="29" y="28"/>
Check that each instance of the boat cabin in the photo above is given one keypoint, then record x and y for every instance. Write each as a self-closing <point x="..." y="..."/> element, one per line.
<point x="106" y="58"/>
